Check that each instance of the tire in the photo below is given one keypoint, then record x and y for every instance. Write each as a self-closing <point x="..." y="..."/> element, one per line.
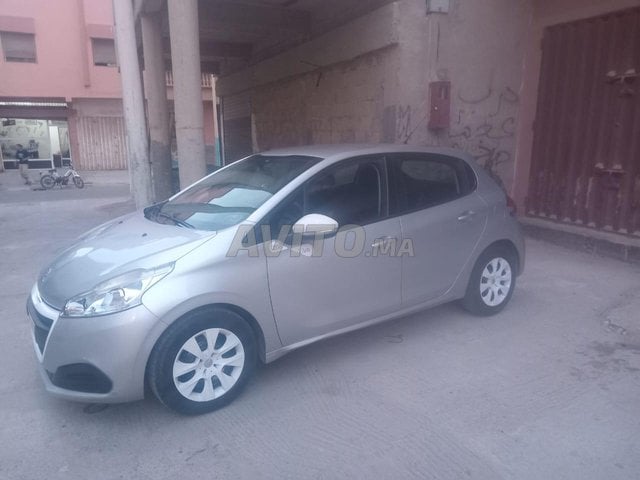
<point x="195" y="383"/>
<point x="47" y="182"/>
<point x="488" y="292"/>
<point x="78" y="182"/>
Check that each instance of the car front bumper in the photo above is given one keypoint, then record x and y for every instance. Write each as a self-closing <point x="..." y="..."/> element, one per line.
<point x="92" y="359"/>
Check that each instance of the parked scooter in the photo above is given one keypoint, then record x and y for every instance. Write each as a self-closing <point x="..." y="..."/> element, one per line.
<point x="53" y="178"/>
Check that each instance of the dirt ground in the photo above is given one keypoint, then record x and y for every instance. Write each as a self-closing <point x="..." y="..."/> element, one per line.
<point x="548" y="389"/>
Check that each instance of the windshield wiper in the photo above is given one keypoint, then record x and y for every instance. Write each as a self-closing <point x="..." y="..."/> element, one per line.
<point x="156" y="212"/>
<point x="176" y="221"/>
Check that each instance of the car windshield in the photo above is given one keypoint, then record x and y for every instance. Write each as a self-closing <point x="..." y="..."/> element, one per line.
<point x="229" y="196"/>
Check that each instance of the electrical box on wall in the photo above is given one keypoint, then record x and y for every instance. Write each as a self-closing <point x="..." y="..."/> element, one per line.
<point x="437" y="6"/>
<point x="440" y="114"/>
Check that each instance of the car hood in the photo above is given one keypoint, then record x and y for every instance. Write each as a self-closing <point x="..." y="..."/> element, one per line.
<point x="117" y="247"/>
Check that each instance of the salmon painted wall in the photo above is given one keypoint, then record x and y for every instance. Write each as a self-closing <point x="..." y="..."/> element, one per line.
<point x="63" y="48"/>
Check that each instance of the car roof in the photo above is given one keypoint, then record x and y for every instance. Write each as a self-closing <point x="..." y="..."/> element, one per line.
<point x="347" y="150"/>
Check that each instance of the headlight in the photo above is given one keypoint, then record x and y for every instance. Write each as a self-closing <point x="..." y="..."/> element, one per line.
<point x="117" y="294"/>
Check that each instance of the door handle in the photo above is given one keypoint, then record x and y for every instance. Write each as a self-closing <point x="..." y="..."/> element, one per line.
<point x="380" y="242"/>
<point x="466" y="216"/>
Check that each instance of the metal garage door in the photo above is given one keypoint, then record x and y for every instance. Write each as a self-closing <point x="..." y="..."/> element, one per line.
<point x="586" y="155"/>
<point x="236" y="111"/>
<point x="102" y="142"/>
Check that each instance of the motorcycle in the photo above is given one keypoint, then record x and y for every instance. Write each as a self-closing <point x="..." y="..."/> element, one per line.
<point x="53" y="178"/>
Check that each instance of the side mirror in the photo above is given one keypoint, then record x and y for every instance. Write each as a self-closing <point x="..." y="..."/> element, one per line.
<point x="316" y="224"/>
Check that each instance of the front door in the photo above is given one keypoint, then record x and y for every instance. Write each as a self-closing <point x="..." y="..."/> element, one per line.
<point x="315" y="292"/>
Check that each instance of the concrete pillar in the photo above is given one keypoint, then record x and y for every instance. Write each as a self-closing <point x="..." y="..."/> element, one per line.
<point x="157" y="107"/>
<point x="187" y="89"/>
<point x="133" y="103"/>
<point x="74" y="138"/>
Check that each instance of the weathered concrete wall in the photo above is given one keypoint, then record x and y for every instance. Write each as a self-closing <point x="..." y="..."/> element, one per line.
<point x="332" y="89"/>
<point x="371" y="32"/>
<point x="478" y="47"/>
<point x="368" y="81"/>
<point x="340" y="104"/>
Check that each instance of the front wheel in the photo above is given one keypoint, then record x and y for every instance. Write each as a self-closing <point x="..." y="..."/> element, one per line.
<point x="202" y="361"/>
<point x="492" y="282"/>
<point x="78" y="182"/>
<point x="47" y="182"/>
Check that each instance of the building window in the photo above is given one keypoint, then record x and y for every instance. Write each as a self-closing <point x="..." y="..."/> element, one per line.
<point x="104" y="52"/>
<point x="27" y="134"/>
<point x="18" y="47"/>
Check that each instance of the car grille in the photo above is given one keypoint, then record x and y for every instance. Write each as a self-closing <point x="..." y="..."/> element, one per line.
<point x="41" y="325"/>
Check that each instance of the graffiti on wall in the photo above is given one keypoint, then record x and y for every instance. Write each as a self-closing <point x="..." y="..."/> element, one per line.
<point x="403" y="122"/>
<point x="407" y="125"/>
<point x="486" y="126"/>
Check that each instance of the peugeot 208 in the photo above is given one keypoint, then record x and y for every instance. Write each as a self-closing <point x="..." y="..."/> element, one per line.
<point x="266" y="255"/>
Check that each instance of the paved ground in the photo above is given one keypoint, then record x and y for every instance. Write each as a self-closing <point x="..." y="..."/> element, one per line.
<point x="98" y="185"/>
<point x="549" y="389"/>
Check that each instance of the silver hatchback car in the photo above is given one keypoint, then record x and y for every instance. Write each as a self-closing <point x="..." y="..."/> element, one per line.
<point x="269" y="254"/>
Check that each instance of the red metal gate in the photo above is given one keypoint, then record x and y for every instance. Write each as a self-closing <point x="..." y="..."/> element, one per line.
<point x="586" y="156"/>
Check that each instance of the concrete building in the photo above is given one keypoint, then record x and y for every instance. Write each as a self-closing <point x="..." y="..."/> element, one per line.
<point x="60" y="87"/>
<point x="542" y="92"/>
<point x="462" y="73"/>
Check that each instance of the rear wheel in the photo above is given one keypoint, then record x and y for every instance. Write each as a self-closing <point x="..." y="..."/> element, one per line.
<point x="78" y="182"/>
<point x="47" y="182"/>
<point x="202" y="361"/>
<point x="492" y="282"/>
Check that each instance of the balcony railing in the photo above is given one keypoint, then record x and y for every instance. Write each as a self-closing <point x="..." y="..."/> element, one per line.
<point x="205" y="81"/>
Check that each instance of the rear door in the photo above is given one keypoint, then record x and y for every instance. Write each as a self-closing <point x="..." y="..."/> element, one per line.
<point x="440" y="214"/>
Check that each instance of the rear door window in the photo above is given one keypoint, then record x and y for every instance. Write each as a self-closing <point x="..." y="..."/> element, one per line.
<point x="422" y="181"/>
